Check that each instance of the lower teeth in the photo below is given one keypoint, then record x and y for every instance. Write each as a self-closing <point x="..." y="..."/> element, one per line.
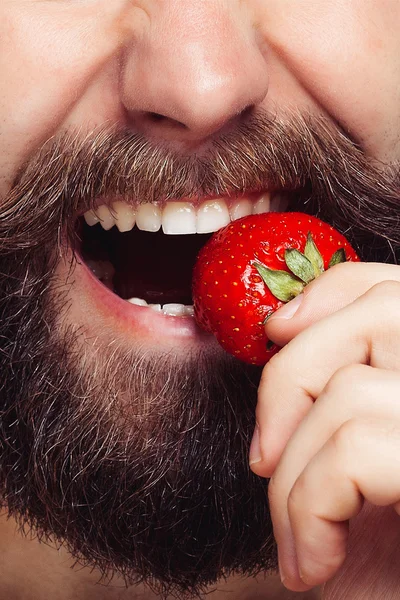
<point x="172" y="310"/>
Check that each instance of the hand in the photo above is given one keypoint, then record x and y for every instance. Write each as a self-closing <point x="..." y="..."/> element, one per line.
<point x="328" y="416"/>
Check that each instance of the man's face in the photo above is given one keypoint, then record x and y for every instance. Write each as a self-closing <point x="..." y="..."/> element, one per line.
<point x="126" y="429"/>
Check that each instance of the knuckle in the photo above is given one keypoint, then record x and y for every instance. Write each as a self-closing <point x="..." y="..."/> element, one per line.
<point x="347" y="439"/>
<point x="349" y="379"/>
<point x="382" y="307"/>
<point x="387" y="295"/>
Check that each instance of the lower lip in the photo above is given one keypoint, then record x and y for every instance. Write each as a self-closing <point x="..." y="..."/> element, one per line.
<point x="137" y="320"/>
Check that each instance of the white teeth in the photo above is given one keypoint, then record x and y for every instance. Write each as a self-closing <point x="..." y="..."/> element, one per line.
<point x="155" y="307"/>
<point x="148" y="217"/>
<point x="124" y="215"/>
<point x="212" y="215"/>
<point x="279" y="203"/>
<point x="241" y="208"/>
<point x="105" y="217"/>
<point x="183" y="218"/>
<point x="179" y="218"/>
<point x="189" y="310"/>
<point x="178" y="310"/>
<point x="137" y="302"/>
<point x="91" y="218"/>
<point x="263" y="204"/>
<point x="172" y="310"/>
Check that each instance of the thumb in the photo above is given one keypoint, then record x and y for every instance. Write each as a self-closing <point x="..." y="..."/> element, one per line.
<point x="335" y="289"/>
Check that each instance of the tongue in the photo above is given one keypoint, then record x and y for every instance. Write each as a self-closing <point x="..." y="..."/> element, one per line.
<point x="154" y="266"/>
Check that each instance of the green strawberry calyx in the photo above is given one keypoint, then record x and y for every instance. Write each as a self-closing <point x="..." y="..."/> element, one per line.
<point x="303" y="267"/>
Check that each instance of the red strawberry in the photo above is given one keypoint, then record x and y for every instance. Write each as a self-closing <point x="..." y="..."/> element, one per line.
<point x="251" y="267"/>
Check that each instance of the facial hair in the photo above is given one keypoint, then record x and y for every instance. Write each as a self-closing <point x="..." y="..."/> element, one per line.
<point x="138" y="462"/>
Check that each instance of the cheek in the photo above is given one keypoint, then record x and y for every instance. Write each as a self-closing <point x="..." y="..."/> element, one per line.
<point x="347" y="56"/>
<point x="49" y="54"/>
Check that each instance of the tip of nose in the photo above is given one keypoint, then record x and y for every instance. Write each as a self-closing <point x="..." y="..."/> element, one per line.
<point x="196" y="85"/>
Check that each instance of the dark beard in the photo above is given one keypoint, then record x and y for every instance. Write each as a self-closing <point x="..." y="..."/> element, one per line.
<point x="142" y="470"/>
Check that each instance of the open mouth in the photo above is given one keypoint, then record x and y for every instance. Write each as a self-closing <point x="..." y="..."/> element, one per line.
<point x="145" y="254"/>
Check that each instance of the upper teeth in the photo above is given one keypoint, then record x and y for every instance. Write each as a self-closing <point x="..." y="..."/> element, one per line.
<point x="182" y="217"/>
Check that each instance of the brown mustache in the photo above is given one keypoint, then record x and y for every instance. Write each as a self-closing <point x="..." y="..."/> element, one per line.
<point x="332" y="175"/>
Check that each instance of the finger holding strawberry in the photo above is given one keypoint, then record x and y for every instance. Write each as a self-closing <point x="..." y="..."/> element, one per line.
<point x="328" y="428"/>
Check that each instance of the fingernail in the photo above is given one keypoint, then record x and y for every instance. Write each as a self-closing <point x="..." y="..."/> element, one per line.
<point x="255" y="450"/>
<point x="288" y="310"/>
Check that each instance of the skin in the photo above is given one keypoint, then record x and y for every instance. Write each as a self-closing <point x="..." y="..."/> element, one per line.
<point x="332" y="430"/>
<point x="119" y="61"/>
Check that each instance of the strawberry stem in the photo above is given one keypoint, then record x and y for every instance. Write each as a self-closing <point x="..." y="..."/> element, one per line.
<point x="337" y="258"/>
<point x="282" y="285"/>
<point x="299" y="265"/>
<point x="304" y="269"/>
<point x="314" y="255"/>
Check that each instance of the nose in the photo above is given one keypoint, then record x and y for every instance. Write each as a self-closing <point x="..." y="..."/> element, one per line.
<point x="196" y="70"/>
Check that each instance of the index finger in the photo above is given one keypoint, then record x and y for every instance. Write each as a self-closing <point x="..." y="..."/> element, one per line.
<point x="335" y="289"/>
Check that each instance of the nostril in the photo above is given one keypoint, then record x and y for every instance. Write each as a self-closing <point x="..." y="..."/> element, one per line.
<point x="155" y="117"/>
<point x="247" y="112"/>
